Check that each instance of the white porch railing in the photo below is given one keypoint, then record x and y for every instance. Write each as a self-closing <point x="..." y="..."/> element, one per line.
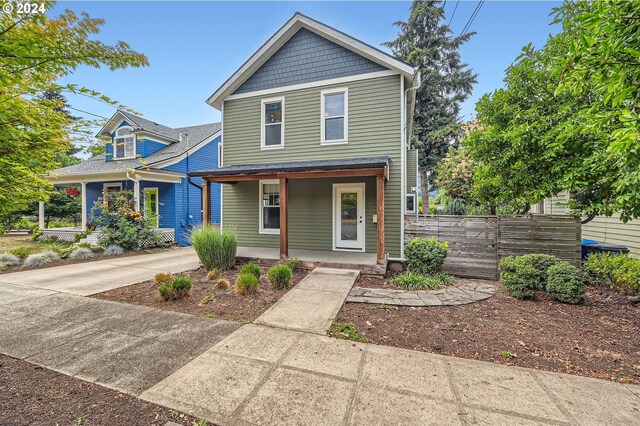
<point x="167" y="235"/>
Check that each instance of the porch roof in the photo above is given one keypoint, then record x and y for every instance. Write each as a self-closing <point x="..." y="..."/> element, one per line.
<point x="158" y="175"/>
<point x="363" y="166"/>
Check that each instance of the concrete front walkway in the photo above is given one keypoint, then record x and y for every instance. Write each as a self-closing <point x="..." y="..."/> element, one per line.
<point x="125" y="347"/>
<point x="313" y="303"/>
<point x="89" y="278"/>
<point x="266" y="376"/>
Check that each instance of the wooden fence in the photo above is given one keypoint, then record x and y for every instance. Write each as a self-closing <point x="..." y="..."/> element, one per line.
<point x="477" y="243"/>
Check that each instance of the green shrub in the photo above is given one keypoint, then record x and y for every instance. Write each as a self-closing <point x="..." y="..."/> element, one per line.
<point x="412" y="281"/>
<point x="293" y="263"/>
<point x="80" y="235"/>
<point x="22" y="252"/>
<point x="279" y="276"/>
<point x="614" y="270"/>
<point x="565" y="283"/>
<point x="425" y="256"/>
<point x="251" y="268"/>
<point x="213" y="274"/>
<point x="519" y="278"/>
<point x="36" y="235"/>
<point x="162" y="278"/>
<point x="246" y="284"/>
<point x="176" y="288"/>
<point x="81" y="253"/>
<point x="541" y="263"/>
<point x="345" y="330"/>
<point x="24" y="223"/>
<point x="9" y="259"/>
<point x="215" y="248"/>
<point x="63" y="250"/>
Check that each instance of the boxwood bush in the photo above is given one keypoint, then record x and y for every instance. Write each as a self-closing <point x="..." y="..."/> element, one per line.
<point x="519" y="278"/>
<point x="617" y="271"/>
<point x="541" y="263"/>
<point x="425" y="256"/>
<point x="565" y="283"/>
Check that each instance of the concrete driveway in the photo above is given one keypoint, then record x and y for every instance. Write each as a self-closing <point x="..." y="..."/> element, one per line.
<point x="85" y="279"/>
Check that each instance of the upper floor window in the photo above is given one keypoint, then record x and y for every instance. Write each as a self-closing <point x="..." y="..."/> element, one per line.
<point x="124" y="143"/>
<point x="335" y="116"/>
<point x="272" y="123"/>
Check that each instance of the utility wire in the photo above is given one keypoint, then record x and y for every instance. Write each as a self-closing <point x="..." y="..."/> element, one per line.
<point x="87" y="112"/>
<point x="472" y="17"/>
<point x="454" y="13"/>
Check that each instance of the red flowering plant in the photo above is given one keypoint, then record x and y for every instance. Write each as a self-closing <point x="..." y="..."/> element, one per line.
<point x="120" y="224"/>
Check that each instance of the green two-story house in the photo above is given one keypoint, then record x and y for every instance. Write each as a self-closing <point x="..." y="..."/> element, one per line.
<point x="315" y="154"/>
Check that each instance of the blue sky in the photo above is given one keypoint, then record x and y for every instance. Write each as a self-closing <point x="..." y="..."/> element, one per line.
<point x="194" y="46"/>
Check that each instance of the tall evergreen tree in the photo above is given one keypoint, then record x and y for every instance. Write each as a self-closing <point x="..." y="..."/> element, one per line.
<point x="425" y="41"/>
<point x="67" y="158"/>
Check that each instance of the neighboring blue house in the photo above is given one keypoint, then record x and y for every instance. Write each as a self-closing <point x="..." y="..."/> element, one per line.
<point x="151" y="160"/>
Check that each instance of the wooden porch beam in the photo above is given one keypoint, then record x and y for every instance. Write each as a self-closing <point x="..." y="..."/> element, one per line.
<point x="374" y="171"/>
<point x="284" y="219"/>
<point x="206" y="201"/>
<point x="380" y="217"/>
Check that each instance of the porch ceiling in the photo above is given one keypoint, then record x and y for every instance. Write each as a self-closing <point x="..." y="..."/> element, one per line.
<point x="364" y="166"/>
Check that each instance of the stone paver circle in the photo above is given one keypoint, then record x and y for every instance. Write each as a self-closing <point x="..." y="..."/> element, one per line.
<point x="462" y="294"/>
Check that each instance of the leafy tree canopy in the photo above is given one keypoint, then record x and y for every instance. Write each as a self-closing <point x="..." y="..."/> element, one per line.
<point x="425" y="41"/>
<point x="567" y="119"/>
<point x="35" y="51"/>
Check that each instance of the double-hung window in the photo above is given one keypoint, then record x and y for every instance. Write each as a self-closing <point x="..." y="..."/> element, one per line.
<point x="124" y="143"/>
<point x="272" y="123"/>
<point x="269" y="207"/>
<point x="335" y="116"/>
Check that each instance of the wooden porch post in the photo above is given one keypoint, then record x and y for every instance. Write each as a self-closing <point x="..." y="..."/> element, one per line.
<point x="83" y="200"/>
<point x="206" y="201"/>
<point x="284" y="219"/>
<point x="380" y="216"/>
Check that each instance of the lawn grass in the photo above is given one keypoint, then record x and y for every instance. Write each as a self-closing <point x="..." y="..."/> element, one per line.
<point x="8" y="242"/>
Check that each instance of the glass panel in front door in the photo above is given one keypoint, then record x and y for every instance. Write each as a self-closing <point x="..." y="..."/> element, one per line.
<point x="349" y="216"/>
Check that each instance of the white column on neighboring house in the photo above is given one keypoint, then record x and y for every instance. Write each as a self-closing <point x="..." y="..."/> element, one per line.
<point x="41" y="214"/>
<point x="83" y="201"/>
<point x="136" y="194"/>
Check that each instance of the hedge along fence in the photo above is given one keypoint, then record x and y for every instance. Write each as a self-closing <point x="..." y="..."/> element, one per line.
<point x="477" y="243"/>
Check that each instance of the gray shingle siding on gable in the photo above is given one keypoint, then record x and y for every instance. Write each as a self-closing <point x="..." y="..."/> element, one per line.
<point x="304" y="58"/>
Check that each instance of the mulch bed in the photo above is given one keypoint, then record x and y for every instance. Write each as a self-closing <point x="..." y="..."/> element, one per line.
<point x="226" y="304"/>
<point x="32" y="395"/>
<point x="597" y="338"/>
<point x="96" y="256"/>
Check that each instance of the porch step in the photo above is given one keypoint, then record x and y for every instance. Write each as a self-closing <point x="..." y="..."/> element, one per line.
<point x="92" y="238"/>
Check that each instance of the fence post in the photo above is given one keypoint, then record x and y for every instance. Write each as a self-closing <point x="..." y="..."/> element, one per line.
<point x="497" y="246"/>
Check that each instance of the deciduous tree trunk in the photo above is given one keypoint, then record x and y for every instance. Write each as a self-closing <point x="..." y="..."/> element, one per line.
<point x="424" y="188"/>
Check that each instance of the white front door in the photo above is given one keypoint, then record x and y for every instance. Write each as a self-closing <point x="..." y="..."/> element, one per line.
<point x="348" y="216"/>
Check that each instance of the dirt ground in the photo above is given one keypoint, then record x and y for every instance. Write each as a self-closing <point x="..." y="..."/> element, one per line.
<point x="597" y="338"/>
<point x="34" y="396"/>
<point x="205" y="298"/>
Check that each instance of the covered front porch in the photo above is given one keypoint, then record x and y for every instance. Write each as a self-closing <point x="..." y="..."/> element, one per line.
<point x="333" y="209"/>
<point x="153" y="195"/>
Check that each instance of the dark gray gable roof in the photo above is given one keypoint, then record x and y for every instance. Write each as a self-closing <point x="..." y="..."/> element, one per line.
<point x="304" y="58"/>
<point x="150" y="126"/>
<point x="192" y="137"/>
<point x="297" y="166"/>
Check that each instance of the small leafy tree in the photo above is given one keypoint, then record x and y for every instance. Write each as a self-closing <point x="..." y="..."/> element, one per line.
<point x="120" y="224"/>
<point x="36" y="50"/>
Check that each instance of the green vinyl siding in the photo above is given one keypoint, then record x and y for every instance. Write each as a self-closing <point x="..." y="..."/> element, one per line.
<point x="374" y="129"/>
<point x="412" y="169"/>
<point x="310" y="213"/>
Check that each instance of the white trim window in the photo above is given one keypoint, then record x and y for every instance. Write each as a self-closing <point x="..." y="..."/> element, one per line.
<point x="334" y="121"/>
<point x="411" y="205"/>
<point x="272" y="128"/>
<point x="269" y="207"/>
<point x="124" y="143"/>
